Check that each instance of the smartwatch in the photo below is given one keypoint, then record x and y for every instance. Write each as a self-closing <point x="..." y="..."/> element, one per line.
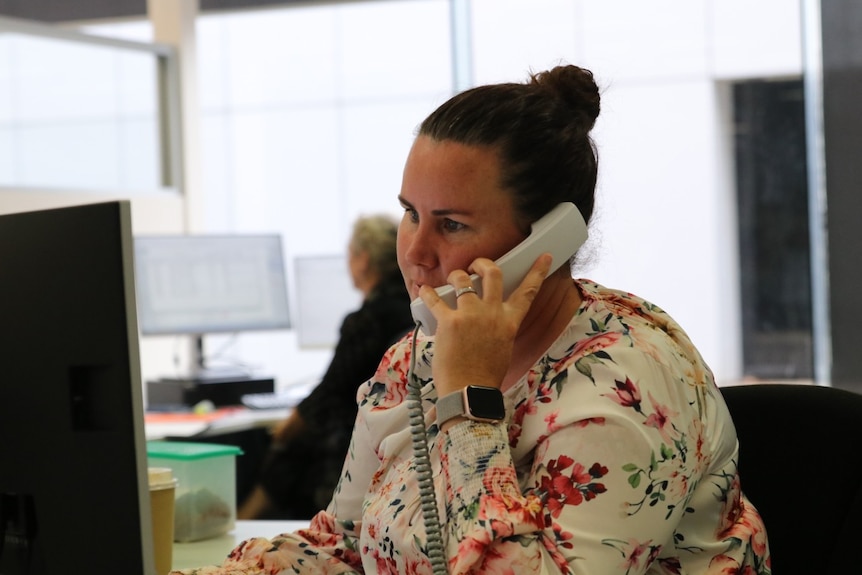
<point x="473" y="402"/>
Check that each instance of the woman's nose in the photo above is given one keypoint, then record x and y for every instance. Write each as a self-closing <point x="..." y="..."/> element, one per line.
<point x="419" y="247"/>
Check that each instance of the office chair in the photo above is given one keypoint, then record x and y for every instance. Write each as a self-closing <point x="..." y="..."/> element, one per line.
<point x="800" y="464"/>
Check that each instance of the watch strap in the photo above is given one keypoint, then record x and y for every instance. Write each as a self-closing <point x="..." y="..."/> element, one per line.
<point x="450" y="406"/>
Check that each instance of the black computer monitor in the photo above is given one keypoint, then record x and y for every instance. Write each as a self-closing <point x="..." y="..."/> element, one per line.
<point x="200" y="284"/>
<point x="74" y="494"/>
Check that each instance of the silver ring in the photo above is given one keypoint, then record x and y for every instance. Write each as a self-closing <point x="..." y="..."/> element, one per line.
<point x="461" y="291"/>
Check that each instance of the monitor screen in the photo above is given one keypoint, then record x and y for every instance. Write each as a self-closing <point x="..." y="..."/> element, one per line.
<point x="199" y="284"/>
<point x="325" y="294"/>
<point x="73" y="464"/>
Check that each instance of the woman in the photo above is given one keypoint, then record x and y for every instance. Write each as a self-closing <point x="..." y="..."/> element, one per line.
<point x="310" y="444"/>
<point x="616" y="453"/>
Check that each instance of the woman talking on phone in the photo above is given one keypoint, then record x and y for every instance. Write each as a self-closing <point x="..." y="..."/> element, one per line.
<point x="592" y="438"/>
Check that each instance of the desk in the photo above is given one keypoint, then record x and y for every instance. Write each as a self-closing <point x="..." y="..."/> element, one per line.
<point x="213" y="551"/>
<point x="225" y="420"/>
<point x="161" y="425"/>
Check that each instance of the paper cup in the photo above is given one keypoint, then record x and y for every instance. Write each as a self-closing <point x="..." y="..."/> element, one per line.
<point x="162" y="489"/>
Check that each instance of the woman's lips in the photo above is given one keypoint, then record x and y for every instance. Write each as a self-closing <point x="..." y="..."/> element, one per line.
<point x="414" y="289"/>
<point x="414" y="285"/>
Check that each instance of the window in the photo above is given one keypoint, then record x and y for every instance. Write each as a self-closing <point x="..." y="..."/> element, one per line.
<point x="772" y="188"/>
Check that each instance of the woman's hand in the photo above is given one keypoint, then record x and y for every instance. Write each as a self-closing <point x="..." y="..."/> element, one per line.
<point x="474" y="341"/>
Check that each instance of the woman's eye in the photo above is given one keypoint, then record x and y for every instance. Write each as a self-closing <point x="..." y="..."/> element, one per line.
<point x="452" y="225"/>
<point x="411" y="213"/>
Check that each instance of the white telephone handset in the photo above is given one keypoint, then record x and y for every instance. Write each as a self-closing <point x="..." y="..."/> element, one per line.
<point x="560" y="232"/>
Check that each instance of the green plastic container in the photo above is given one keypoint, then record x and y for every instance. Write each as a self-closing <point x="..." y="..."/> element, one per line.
<point x="205" y="504"/>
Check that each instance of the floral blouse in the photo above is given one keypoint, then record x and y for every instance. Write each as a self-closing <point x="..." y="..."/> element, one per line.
<point x="619" y="456"/>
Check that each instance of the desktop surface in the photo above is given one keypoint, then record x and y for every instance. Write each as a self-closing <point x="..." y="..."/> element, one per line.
<point x="188" y="424"/>
<point x="213" y="551"/>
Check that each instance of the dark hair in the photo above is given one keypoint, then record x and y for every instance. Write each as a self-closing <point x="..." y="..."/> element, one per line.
<point x="541" y="131"/>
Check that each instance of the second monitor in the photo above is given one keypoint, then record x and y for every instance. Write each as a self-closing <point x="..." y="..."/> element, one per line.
<point x="204" y="284"/>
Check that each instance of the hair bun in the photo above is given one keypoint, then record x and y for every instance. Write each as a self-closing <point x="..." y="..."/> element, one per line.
<point x="576" y="87"/>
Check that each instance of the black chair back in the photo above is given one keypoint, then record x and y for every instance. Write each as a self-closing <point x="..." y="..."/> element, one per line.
<point x="800" y="464"/>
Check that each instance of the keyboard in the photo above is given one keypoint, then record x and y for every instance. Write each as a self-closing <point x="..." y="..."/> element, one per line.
<point x="282" y="399"/>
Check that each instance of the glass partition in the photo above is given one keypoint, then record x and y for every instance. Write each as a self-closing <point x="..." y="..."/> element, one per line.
<point x="85" y="112"/>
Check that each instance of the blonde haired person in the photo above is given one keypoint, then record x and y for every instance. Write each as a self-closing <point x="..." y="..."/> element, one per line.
<point x="309" y="446"/>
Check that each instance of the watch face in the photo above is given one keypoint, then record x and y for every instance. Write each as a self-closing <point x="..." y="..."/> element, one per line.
<point x="486" y="403"/>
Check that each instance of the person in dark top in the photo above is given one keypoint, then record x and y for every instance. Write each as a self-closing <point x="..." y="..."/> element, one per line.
<point x="310" y="445"/>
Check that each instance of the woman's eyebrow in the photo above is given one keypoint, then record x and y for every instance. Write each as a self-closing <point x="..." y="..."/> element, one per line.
<point x="438" y="212"/>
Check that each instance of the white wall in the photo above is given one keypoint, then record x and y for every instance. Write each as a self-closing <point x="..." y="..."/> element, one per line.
<point x="308" y="113"/>
<point x="665" y="226"/>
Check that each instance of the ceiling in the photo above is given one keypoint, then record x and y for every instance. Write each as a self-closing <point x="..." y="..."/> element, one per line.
<point x="66" y="10"/>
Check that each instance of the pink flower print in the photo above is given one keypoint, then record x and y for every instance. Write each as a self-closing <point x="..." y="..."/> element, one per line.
<point x="551" y="420"/>
<point x="590" y="420"/>
<point x="508" y="502"/>
<point x="626" y="394"/>
<point x="634" y="553"/>
<point x="660" y="419"/>
<point x="724" y="565"/>
<point x="591" y="345"/>
<point x="746" y="520"/>
<point x="732" y="507"/>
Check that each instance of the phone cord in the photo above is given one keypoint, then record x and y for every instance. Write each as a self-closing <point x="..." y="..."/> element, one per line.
<point x="423" y="467"/>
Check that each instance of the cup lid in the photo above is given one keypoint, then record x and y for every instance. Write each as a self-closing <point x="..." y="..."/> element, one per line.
<point x="161" y="477"/>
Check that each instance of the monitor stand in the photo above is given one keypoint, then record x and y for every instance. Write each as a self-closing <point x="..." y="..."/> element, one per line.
<point x="221" y="386"/>
<point x="20" y="551"/>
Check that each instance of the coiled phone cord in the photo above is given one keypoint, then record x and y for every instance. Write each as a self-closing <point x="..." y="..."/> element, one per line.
<point x="423" y="467"/>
